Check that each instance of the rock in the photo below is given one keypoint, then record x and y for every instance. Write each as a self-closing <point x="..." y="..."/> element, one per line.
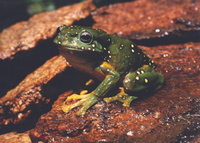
<point x="169" y="34"/>
<point x="17" y="104"/>
<point x="159" y="118"/>
<point x="14" y="137"/>
<point x="149" y="19"/>
<point x="42" y="26"/>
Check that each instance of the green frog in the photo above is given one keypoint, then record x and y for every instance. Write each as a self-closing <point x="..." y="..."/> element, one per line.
<point x="111" y="60"/>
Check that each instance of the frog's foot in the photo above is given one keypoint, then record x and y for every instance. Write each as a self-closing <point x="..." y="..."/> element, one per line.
<point x="122" y="97"/>
<point x="84" y="100"/>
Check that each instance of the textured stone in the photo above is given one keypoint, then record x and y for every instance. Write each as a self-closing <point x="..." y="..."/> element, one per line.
<point x="168" y="29"/>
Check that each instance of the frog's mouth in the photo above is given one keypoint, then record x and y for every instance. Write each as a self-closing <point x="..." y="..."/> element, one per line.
<point x="80" y="57"/>
<point x="81" y="49"/>
<point x="73" y="49"/>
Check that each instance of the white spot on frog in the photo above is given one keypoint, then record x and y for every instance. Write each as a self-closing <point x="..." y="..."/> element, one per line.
<point x="137" y="78"/>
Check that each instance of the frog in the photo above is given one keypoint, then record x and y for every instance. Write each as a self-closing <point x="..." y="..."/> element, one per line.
<point x="111" y="60"/>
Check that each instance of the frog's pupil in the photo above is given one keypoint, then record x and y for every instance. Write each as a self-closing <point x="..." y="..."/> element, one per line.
<point x="86" y="37"/>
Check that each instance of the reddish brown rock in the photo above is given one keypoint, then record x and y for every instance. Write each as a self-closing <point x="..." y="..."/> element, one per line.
<point x="159" y="118"/>
<point x="14" y="137"/>
<point x="146" y="19"/>
<point x="170" y="115"/>
<point x="25" y="35"/>
<point x="18" y="103"/>
<point x="176" y="59"/>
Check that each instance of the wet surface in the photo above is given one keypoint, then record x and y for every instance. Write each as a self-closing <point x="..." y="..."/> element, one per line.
<point x="169" y="37"/>
<point x="154" y="18"/>
<point x="163" y="117"/>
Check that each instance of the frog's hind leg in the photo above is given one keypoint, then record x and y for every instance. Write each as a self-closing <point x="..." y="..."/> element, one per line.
<point x="144" y="79"/>
<point x="122" y="97"/>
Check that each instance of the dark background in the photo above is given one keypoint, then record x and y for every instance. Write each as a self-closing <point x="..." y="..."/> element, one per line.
<point x="12" y="11"/>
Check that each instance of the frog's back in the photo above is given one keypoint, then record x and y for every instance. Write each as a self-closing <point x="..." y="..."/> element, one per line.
<point x="124" y="55"/>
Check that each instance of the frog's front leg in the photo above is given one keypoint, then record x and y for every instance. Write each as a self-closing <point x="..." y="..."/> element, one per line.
<point x="144" y="79"/>
<point x="87" y="100"/>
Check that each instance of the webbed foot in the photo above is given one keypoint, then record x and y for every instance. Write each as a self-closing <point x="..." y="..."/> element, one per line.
<point x="122" y="97"/>
<point x="84" y="100"/>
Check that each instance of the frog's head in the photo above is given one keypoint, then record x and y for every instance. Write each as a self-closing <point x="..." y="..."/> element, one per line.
<point x="83" y="47"/>
<point x="78" y="38"/>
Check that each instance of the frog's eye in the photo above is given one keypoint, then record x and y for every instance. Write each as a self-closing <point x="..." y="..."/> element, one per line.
<point x="86" y="37"/>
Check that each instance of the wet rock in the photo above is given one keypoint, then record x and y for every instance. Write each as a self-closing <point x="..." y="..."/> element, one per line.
<point x="159" y="118"/>
<point x="168" y="29"/>
<point x="147" y="19"/>
<point x="19" y="102"/>
<point x="14" y="137"/>
<point x="42" y="26"/>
